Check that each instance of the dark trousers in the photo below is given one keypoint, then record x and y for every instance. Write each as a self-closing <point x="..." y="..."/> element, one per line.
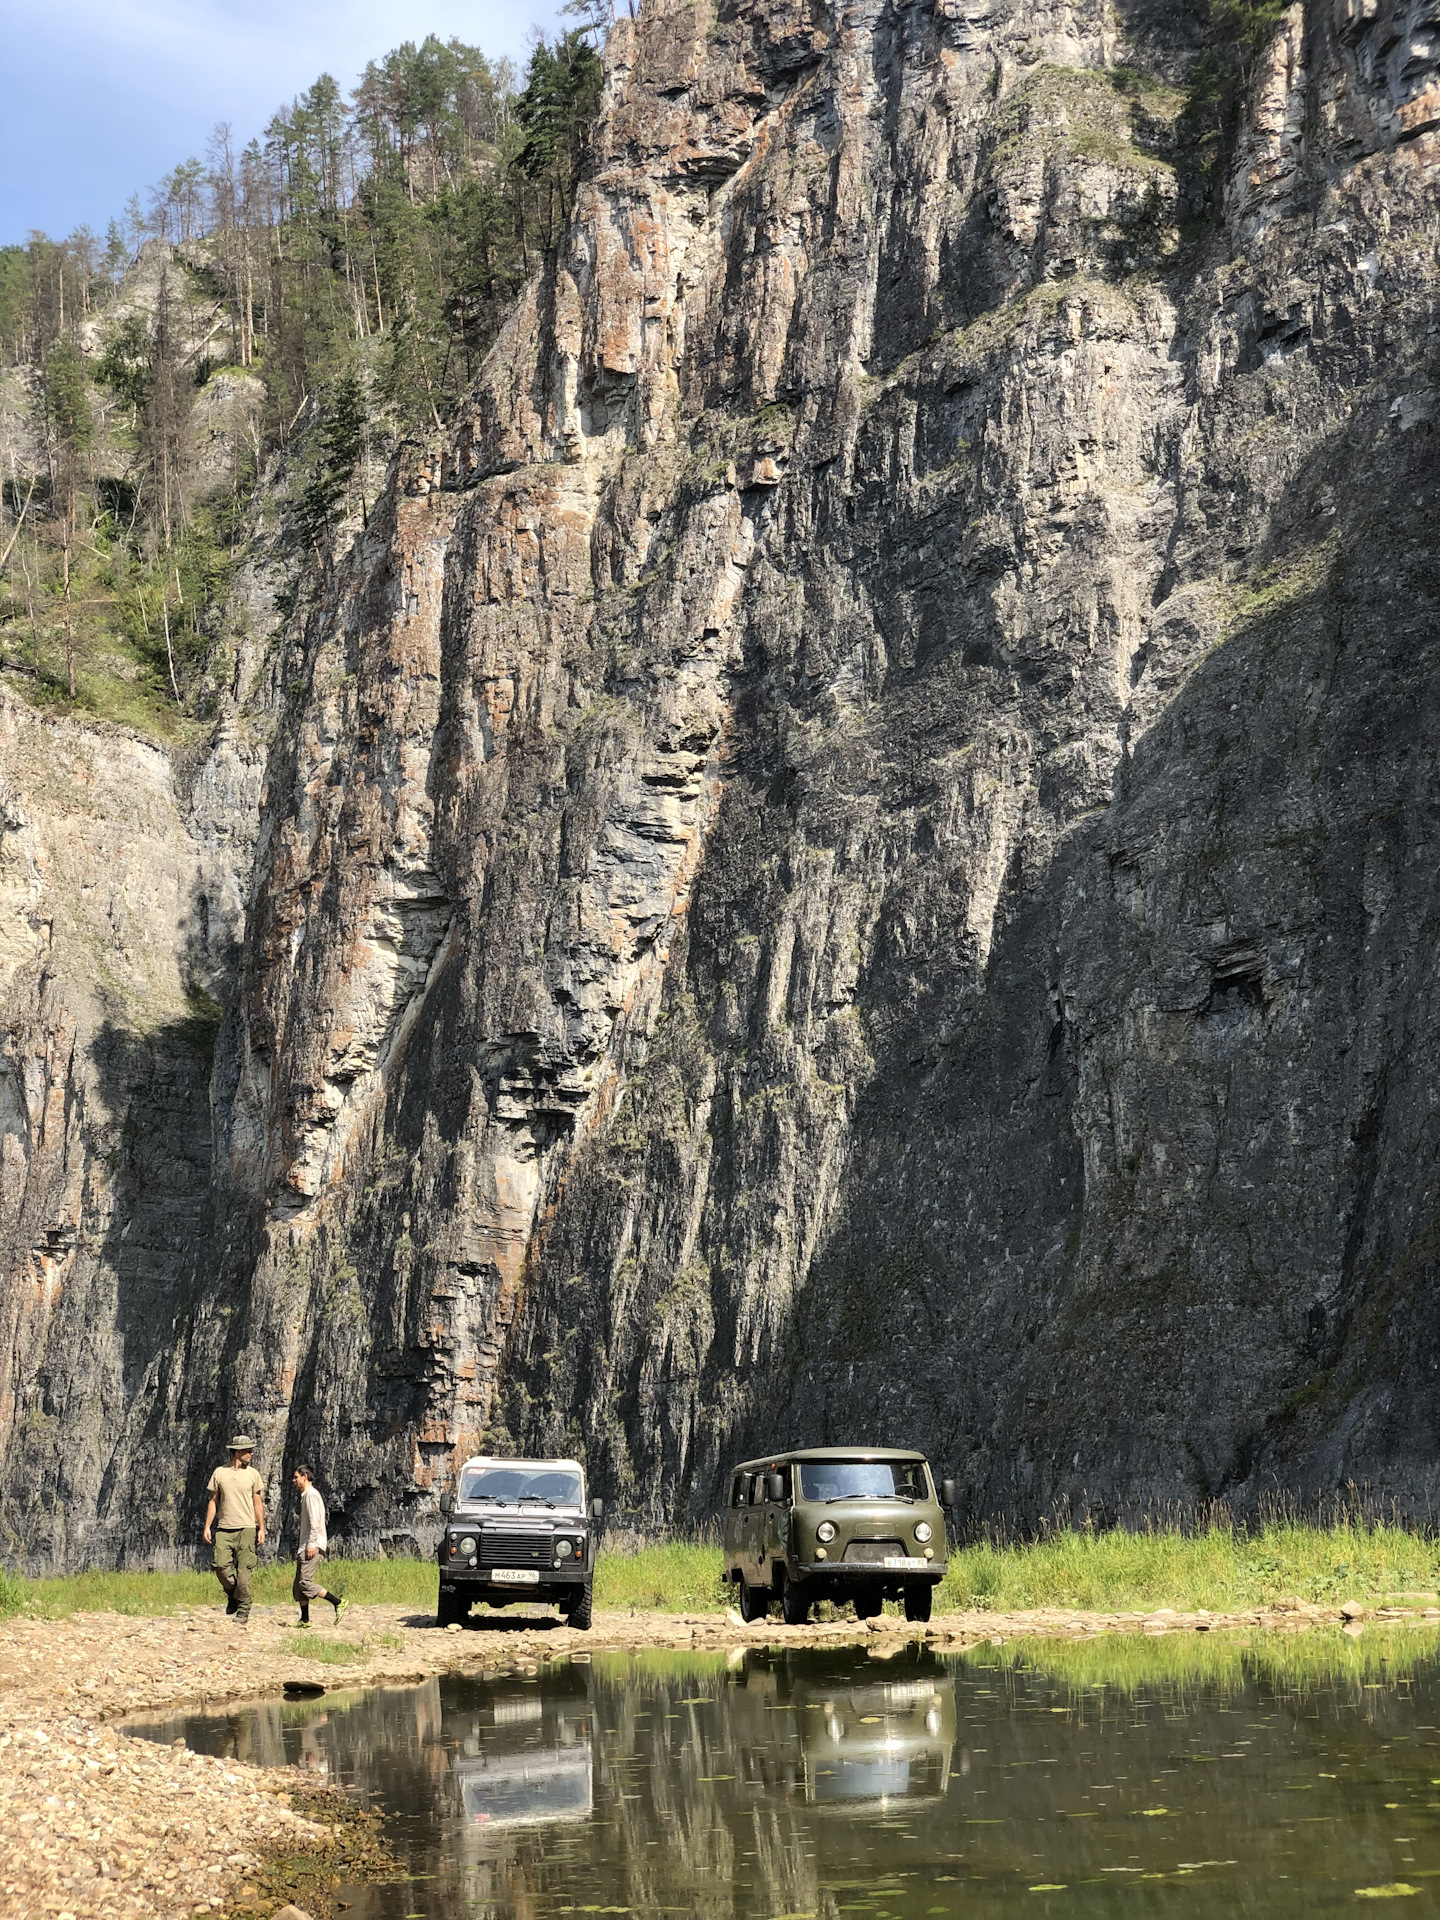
<point x="234" y="1563"/>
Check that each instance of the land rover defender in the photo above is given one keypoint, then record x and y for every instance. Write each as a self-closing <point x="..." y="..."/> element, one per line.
<point x="518" y="1530"/>
<point x="863" y="1524"/>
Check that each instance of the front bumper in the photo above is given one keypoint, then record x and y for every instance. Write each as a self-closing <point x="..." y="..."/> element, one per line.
<point x="487" y="1579"/>
<point x="851" y="1571"/>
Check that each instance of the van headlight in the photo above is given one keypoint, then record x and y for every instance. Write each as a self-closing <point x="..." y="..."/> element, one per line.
<point x="923" y="1530"/>
<point x="563" y="1547"/>
<point x="825" y="1530"/>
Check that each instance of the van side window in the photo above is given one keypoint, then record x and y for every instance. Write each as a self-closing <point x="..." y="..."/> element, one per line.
<point x="737" y="1491"/>
<point x="757" y="1489"/>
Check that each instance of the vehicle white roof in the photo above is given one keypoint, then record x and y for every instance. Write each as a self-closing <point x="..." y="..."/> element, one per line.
<point x="517" y="1460"/>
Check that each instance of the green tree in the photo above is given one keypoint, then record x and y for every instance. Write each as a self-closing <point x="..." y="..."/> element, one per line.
<point x="562" y="93"/>
<point x="340" y="445"/>
<point x="1237" y="34"/>
<point x="70" y="434"/>
<point x="162" y="421"/>
<point x="14" y="291"/>
<point x="124" y="366"/>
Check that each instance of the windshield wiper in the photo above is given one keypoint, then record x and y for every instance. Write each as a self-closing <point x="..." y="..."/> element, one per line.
<point x="536" y="1499"/>
<point x="494" y="1497"/>
<point x="908" y="1498"/>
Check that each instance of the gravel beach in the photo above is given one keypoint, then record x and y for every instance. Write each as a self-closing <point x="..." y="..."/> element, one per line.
<point x="96" y="1823"/>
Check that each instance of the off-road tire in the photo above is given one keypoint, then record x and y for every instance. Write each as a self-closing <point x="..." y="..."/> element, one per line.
<point x="579" y="1611"/>
<point x="794" y="1606"/>
<point x="754" y="1602"/>
<point x="868" y="1601"/>
<point x="919" y="1598"/>
<point x="453" y="1610"/>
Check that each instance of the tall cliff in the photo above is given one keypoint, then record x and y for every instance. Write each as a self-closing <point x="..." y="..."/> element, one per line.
<point x="853" y="853"/>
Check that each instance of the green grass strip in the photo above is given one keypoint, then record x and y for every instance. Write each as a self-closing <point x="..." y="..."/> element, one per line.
<point x="1224" y="1569"/>
<point x="1186" y="1664"/>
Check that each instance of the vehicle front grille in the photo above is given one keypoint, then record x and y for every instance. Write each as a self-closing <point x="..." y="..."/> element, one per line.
<point x="509" y="1548"/>
<point x="873" y="1550"/>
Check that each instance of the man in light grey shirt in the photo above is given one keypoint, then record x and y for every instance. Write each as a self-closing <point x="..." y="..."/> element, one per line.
<point x="312" y="1549"/>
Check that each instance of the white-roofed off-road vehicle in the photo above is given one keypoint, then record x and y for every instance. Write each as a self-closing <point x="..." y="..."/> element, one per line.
<point x="518" y="1530"/>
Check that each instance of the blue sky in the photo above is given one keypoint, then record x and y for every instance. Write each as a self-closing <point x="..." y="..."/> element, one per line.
<point x="103" y="96"/>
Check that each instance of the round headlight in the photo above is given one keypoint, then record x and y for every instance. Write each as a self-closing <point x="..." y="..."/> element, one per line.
<point x="467" y="1547"/>
<point x="562" y="1547"/>
<point x="825" y="1530"/>
<point x="923" y="1530"/>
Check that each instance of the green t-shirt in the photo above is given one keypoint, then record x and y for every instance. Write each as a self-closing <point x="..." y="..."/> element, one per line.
<point x="233" y="1488"/>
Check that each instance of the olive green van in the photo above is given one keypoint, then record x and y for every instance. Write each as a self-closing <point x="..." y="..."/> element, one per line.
<point x="862" y="1524"/>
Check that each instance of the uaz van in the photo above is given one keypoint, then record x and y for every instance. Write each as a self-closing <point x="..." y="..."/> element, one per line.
<point x="862" y="1524"/>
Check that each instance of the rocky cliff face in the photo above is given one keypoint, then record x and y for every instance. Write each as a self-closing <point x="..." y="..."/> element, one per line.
<point x="851" y="855"/>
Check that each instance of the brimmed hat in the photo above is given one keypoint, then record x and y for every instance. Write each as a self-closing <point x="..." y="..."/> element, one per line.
<point x="242" y="1443"/>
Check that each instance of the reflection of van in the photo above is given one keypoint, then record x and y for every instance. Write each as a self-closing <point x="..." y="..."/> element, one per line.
<point x="544" y="1785"/>
<point x="525" y="1757"/>
<point x="813" y="1726"/>
<point x="836" y="1523"/>
<point x="882" y="1742"/>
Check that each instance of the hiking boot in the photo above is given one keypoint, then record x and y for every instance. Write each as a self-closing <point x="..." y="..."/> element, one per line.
<point x="232" y="1606"/>
<point x="303" y="1626"/>
<point x="340" y="1607"/>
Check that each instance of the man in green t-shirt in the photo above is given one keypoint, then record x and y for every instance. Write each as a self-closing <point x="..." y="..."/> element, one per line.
<point x="235" y="1522"/>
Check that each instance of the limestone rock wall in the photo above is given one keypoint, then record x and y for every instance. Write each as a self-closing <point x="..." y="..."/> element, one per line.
<point x="851" y="854"/>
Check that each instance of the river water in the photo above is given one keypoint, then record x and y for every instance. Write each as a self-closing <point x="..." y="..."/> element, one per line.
<point x="1186" y="1776"/>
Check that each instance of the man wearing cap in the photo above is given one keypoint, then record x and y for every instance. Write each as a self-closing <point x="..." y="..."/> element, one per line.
<point x="235" y="1520"/>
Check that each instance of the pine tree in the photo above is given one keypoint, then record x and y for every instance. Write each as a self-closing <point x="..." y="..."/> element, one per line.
<point x="562" y="93"/>
<point x="162" y="422"/>
<point x="70" y="434"/>
<point x="341" y="443"/>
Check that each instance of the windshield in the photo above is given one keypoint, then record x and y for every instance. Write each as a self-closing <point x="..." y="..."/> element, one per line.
<point x="511" y="1486"/>
<point x="863" y="1480"/>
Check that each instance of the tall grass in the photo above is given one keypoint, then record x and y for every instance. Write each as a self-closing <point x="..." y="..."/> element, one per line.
<point x="364" y="1582"/>
<point x="1223" y="1568"/>
<point x="680" y="1577"/>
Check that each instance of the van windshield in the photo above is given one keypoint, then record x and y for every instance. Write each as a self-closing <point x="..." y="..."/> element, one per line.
<point x="509" y="1486"/>
<point x="863" y="1480"/>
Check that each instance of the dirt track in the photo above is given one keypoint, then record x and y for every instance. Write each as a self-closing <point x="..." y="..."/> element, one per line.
<point x="95" y="1823"/>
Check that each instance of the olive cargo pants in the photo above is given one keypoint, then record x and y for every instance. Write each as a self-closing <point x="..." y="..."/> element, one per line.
<point x="234" y="1563"/>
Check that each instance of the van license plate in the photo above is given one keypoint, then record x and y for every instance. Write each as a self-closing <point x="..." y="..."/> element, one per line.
<point x="901" y="1560"/>
<point x="516" y="1576"/>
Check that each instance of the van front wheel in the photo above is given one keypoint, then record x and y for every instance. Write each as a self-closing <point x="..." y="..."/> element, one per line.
<point x="794" y="1607"/>
<point x="754" y="1602"/>
<point x="453" y="1610"/>
<point x="919" y="1597"/>
<point x="868" y="1602"/>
